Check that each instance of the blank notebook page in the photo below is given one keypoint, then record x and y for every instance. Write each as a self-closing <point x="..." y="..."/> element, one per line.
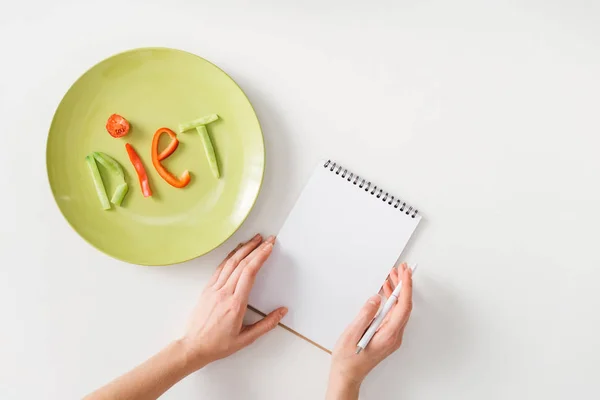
<point x="334" y="251"/>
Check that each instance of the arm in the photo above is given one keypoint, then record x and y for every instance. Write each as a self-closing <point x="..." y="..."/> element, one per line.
<point x="150" y="379"/>
<point x="348" y="370"/>
<point x="215" y="331"/>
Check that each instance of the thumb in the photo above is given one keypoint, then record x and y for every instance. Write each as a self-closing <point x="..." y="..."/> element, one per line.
<point x="252" y="332"/>
<point x="360" y="324"/>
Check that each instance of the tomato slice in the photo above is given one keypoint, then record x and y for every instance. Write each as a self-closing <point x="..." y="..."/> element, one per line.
<point x="117" y="126"/>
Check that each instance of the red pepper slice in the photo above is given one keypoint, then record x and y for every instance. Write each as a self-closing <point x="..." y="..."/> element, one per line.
<point x="168" y="150"/>
<point x="162" y="171"/>
<point x="117" y="126"/>
<point x="139" y="168"/>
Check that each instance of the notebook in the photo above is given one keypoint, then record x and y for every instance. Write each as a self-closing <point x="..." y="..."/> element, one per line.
<point x="333" y="252"/>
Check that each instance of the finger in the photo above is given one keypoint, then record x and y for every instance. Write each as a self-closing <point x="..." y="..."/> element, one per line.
<point x="252" y="332"/>
<point x="387" y="289"/>
<point x="235" y="276"/>
<point x="401" y="311"/>
<point x="248" y="275"/>
<point x="394" y="277"/>
<point x="235" y="259"/>
<point x="219" y="269"/>
<point x="215" y="276"/>
<point x="360" y="324"/>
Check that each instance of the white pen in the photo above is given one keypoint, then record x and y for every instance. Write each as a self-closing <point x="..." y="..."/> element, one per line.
<point x="366" y="338"/>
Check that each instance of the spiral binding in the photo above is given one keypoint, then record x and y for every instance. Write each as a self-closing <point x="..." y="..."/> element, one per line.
<point x="362" y="183"/>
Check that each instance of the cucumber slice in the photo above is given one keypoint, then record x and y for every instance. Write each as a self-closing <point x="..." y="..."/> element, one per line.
<point x="98" y="184"/>
<point x="109" y="163"/>
<point x="207" y="119"/>
<point x="119" y="194"/>
<point x="114" y="168"/>
<point x="209" y="150"/>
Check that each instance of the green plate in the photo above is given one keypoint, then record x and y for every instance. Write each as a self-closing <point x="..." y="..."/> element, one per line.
<point x="153" y="88"/>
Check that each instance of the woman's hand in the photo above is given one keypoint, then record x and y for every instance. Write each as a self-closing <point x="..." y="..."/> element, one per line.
<point x="349" y="369"/>
<point x="215" y="331"/>
<point x="216" y="328"/>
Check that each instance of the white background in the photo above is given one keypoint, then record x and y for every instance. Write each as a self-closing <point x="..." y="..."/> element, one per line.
<point x="483" y="114"/>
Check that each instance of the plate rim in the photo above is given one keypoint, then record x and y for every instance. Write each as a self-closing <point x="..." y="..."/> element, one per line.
<point x="247" y="214"/>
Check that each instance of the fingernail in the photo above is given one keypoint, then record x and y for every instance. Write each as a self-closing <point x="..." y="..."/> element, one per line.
<point x="374" y="300"/>
<point x="409" y="271"/>
<point x="267" y="246"/>
<point x="283" y="312"/>
<point x="256" y="237"/>
<point x="271" y="239"/>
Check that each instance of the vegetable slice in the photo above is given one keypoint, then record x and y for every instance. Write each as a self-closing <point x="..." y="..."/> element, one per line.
<point x="114" y="168"/>
<point x="117" y="126"/>
<point x="119" y="194"/>
<point x="197" y="122"/>
<point x="109" y="163"/>
<point x="98" y="184"/>
<point x="168" y="150"/>
<point x="209" y="150"/>
<point x="162" y="171"/>
<point x="139" y="168"/>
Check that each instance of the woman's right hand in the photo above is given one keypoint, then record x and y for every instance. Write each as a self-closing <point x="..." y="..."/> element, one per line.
<point x="348" y="369"/>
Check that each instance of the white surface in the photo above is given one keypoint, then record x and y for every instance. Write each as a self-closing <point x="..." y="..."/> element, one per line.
<point x="484" y="114"/>
<point x="333" y="252"/>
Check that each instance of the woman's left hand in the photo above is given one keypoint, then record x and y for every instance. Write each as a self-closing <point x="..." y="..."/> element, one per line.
<point x="216" y="328"/>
